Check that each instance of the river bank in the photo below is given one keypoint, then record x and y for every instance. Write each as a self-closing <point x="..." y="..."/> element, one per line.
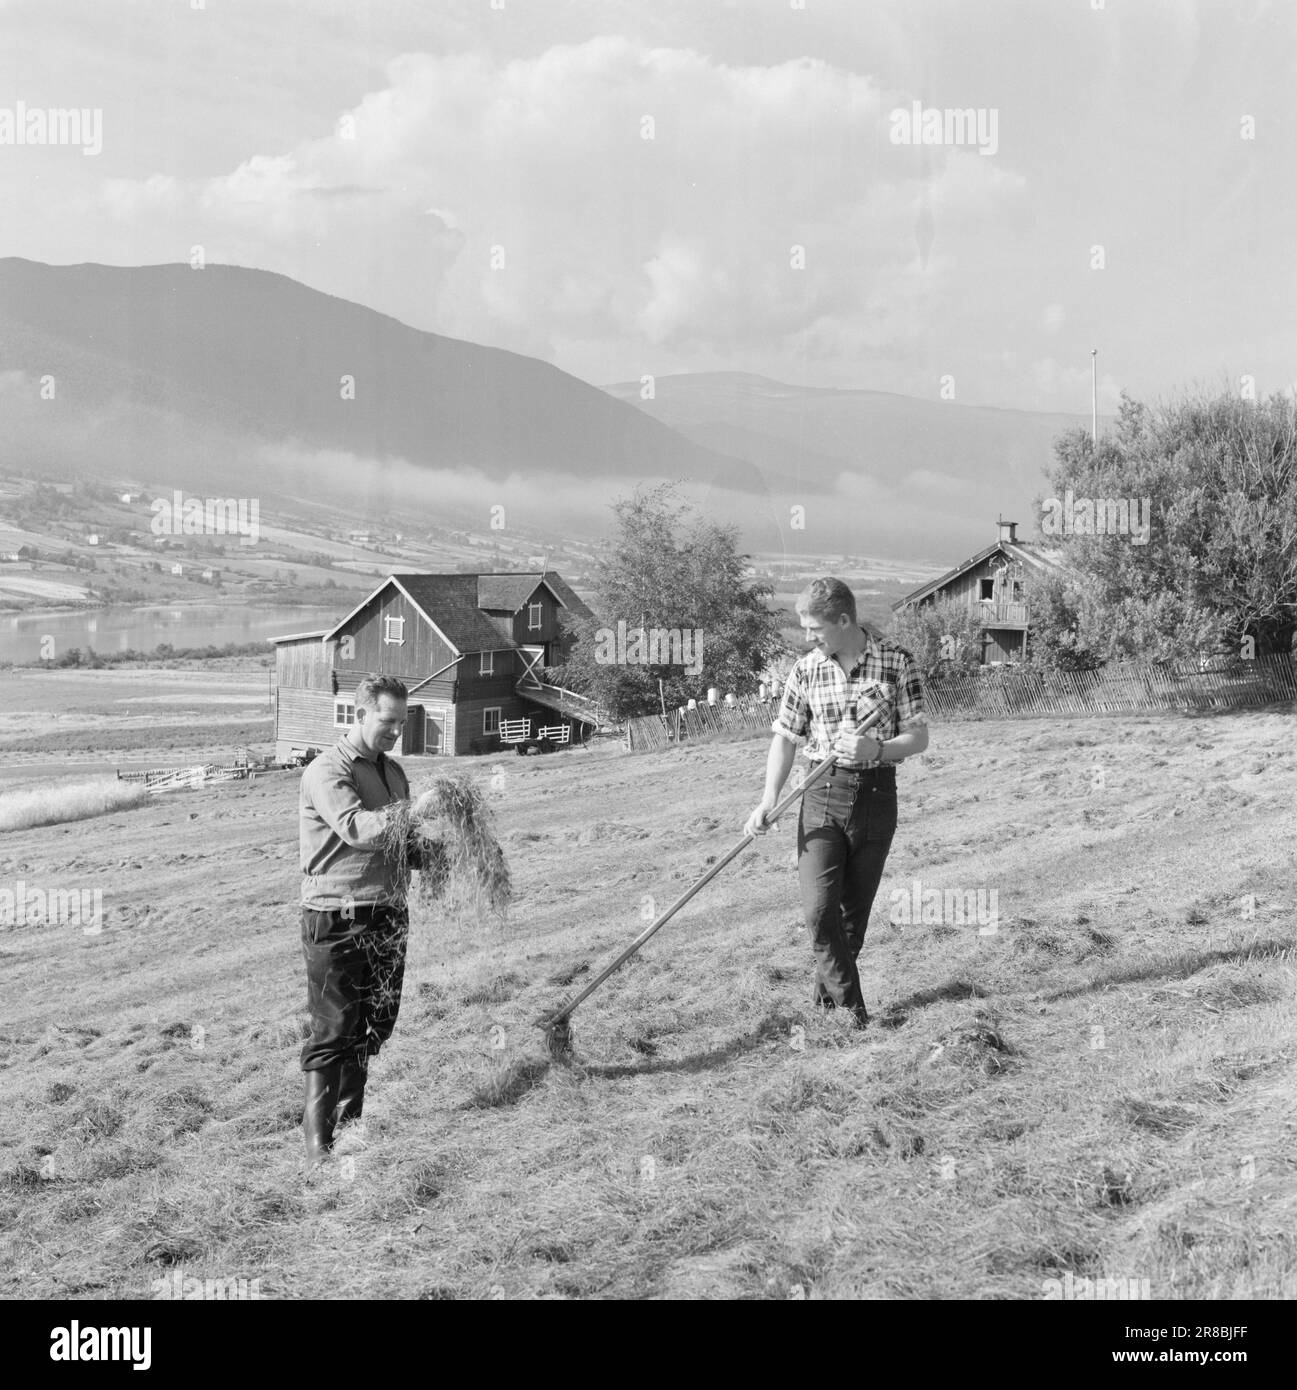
<point x="32" y="638"/>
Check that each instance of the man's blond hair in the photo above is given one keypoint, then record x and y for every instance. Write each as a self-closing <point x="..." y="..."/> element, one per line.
<point x="829" y="598"/>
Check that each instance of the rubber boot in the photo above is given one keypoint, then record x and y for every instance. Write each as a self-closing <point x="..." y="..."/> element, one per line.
<point x="317" y="1114"/>
<point x="351" y="1090"/>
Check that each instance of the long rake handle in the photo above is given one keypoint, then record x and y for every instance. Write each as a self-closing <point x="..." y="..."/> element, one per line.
<point x="771" y="816"/>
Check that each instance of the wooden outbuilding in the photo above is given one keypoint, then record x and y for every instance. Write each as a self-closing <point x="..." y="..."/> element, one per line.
<point x="996" y="585"/>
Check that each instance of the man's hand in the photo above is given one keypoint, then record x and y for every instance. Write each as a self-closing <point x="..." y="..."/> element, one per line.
<point x="856" y="748"/>
<point x="756" y="823"/>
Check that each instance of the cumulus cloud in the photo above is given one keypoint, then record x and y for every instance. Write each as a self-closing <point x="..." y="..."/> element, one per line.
<point x="602" y="193"/>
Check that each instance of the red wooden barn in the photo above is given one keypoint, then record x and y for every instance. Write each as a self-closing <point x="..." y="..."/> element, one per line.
<point x="470" y="648"/>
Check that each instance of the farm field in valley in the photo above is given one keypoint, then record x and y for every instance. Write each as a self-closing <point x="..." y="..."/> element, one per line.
<point x="64" y="722"/>
<point x="1103" y="1087"/>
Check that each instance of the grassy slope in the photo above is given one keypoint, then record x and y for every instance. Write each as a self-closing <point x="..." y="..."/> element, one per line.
<point x="974" y="1143"/>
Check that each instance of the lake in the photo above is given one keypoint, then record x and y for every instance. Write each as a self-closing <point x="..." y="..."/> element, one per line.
<point x="182" y="625"/>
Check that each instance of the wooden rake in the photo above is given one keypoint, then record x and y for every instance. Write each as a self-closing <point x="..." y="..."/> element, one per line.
<point x="557" y="1024"/>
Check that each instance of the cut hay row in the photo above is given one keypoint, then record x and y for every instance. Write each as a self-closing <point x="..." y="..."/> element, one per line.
<point x="46" y="805"/>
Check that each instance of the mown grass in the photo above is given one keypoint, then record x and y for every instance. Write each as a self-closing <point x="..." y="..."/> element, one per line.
<point x="205" y="731"/>
<point x="1103" y="1086"/>
<point x="56" y="804"/>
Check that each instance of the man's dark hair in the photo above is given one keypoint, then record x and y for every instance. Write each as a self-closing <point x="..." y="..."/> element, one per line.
<point x="369" y="690"/>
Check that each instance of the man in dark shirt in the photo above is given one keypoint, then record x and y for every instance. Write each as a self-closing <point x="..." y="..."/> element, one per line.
<point x="848" y="818"/>
<point x="354" y="919"/>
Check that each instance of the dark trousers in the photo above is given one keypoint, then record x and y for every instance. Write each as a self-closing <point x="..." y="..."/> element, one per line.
<point x="844" y="832"/>
<point x="355" y="965"/>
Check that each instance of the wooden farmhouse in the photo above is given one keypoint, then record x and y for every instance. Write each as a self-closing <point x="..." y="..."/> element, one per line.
<point x="996" y="584"/>
<point x="469" y="647"/>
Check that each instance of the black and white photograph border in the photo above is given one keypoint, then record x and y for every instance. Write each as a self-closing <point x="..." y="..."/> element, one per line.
<point x="646" y="653"/>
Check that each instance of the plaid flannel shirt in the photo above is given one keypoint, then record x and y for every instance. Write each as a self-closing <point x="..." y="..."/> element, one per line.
<point x="818" y="690"/>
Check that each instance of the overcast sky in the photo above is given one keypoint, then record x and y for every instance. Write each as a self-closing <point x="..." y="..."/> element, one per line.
<point x="522" y="128"/>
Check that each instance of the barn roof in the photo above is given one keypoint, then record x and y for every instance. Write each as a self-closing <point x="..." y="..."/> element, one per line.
<point x="507" y="591"/>
<point x="299" y="636"/>
<point x="452" y="604"/>
<point x="566" y="594"/>
<point x="449" y="602"/>
<point x="1046" y="559"/>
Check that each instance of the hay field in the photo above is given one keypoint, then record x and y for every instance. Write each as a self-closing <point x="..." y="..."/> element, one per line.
<point x="1104" y="1086"/>
<point x="61" y="723"/>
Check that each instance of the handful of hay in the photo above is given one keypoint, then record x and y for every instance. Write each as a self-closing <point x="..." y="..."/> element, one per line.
<point x="446" y="834"/>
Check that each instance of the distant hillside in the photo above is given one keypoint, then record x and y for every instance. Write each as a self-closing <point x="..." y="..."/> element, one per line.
<point x="174" y="377"/>
<point x="939" y="468"/>
<point x="249" y="351"/>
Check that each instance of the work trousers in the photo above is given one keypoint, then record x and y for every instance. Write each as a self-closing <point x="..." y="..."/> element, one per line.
<point x="355" y="965"/>
<point x="844" y="833"/>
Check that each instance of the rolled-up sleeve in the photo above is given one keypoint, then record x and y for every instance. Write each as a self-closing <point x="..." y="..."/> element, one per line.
<point x="909" y="697"/>
<point x="793" y="721"/>
<point x="338" y="804"/>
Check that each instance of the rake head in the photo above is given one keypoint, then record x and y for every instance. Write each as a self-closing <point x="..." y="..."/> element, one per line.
<point x="558" y="1036"/>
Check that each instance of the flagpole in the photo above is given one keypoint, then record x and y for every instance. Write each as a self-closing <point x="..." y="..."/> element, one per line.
<point x="1094" y="396"/>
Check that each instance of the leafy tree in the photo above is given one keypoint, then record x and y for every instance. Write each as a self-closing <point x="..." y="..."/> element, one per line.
<point x="944" y="636"/>
<point x="1220" y="562"/>
<point x="85" y="490"/>
<point x="1054" y="639"/>
<point x="670" y="570"/>
<point x="39" y="505"/>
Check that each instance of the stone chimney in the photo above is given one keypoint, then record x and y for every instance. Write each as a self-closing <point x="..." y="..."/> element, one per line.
<point x="1008" y="531"/>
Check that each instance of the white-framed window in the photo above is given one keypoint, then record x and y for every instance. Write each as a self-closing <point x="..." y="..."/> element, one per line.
<point x="491" y="720"/>
<point x="344" y="713"/>
<point x="486" y="665"/>
<point x="534" y="611"/>
<point x="394" y="631"/>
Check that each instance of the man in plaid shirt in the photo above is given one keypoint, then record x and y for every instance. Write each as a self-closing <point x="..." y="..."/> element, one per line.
<point x="848" y="818"/>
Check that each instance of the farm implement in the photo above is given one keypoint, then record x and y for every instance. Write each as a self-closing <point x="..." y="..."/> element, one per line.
<point x="246" y="766"/>
<point x="557" y="1024"/>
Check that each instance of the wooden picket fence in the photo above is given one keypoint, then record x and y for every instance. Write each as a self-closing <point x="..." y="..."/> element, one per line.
<point x="1010" y="693"/>
<point x="1120" y="688"/>
<point x="655" y="731"/>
